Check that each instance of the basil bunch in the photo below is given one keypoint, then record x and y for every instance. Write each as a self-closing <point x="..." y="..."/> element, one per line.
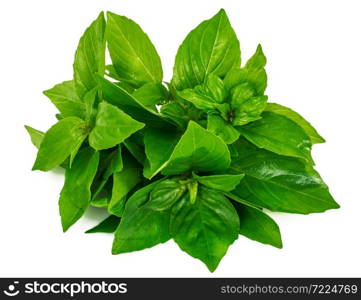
<point x="196" y="160"/>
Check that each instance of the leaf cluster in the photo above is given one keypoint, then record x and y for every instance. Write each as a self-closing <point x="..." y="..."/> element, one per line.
<point x="197" y="159"/>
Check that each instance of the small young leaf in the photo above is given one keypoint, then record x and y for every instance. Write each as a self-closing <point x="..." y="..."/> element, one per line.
<point x="212" y="47"/>
<point x="133" y="54"/>
<point x="220" y="127"/>
<point x="75" y="196"/>
<point x="108" y="225"/>
<point x="60" y="141"/>
<point x="112" y="127"/>
<point x="225" y="183"/>
<point x="151" y="94"/>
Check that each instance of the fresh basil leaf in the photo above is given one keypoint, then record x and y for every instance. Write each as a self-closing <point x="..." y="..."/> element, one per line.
<point x="113" y="163"/>
<point x="90" y="57"/>
<point x="123" y="182"/>
<point x="176" y="113"/>
<point x="75" y="196"/>
<point x="258" y="226"/>
<point x="297" y="118"/>
<point x="136" y="148"/>
<point x="151" y="94"/>
<point x="121" y="98"/>
<point x="133" y="54"/>
<point x="60" y="141"/>
<point x="108" y="225"/>
<point x="198" y="150"/>
<point x="166" y="193"/>
<point x="101" y="201"/>
<point x="90" y="102"/>
<point x="112" y="127"/>
<point x="66" y="100"/>
<point x="278" y="134"/>
<point x="212" y="47"/>
<point x="279" y="183"/>
<point x="253" y="73"/>
<point x="206" y="228"/>
<point x="220" y="127"/>
<point x="159" y="145"/>
<point x="225" y="183"/>
<point x="36" y="136"/>
<point x="141" y="227"/>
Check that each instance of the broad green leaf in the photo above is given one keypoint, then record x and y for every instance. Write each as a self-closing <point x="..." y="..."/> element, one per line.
<point x="36" y="136"/>
<point x="123" y="182"/>
<point x="258" y="226"/>
<point x="225" y="183"/>
<point x="278" y="134"/>
<point x="108" y="225"/>
<point x="75" y="196"/>
<point x="141" y="227"/>
<point x="133" y="54"/>
<point x="253" y="73"/>
<point x="60" y="141"/>
<point x="220" y="127"/>
<point x="193" y="191"/>
<point x="214" y="88"/>
<point x="136" y="148"/>
<point x="159" y="145"/>
<point x="151" y="94"/>
<point x="279" y="183"/>
<point x="100" y="201"/>
<point x="166" y="193"/>
<point x="126" y="102"/>
<point x="66" y="100"/>
<point x="198" y="150"/>
<point x="206" y="228"/>
<point x="90" y="102"/>
<point x="112" y="127"/>
<point x="89" y="59"/>
<point x="212" y="47"/>
<point x="297" y="118"/>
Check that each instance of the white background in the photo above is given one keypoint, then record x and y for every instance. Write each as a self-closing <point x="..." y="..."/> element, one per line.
<point x="313" y="50"/>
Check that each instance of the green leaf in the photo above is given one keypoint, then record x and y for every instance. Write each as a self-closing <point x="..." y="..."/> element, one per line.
<point x="159" y="145"/>
<point x="113" y="163"/>
<point x="253" y="73"/>
<point x="176" y="113"/>
<point x="279" y="183"/>
<point x="123" y="182"/>
<point x="66" y="100"/>
<point x="108" y="225"/>
<point x="60" y="141"/>
<point x="212" y="47"/>
<point x="112" y="127"/>
<point x="225" y="183"/>
<point x="193" y="191"/>
<point x="220" y="127"/>
<point x="206" y="228"/>
<point x="166" y="193"/>
<point x="75" y="196"/>
<point x="198" y="150"/>
<point x="141" y="227"/>
<point x="36" y="136"/>
<point x="151" y="94"/>
<point x="278" y="134"/>
<point x="90" y="57"/>
<point x="133" y="54"/>
<point x="136" y="148"/>
<point x="119" y="97"/>
<point x="297" y="118"/>
<point x="258" y="226"/>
